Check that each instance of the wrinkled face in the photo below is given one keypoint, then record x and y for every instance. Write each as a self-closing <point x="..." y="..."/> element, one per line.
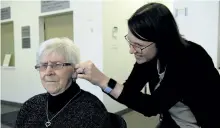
<point x="143" y="51"/>
<point x="56" y="78"/>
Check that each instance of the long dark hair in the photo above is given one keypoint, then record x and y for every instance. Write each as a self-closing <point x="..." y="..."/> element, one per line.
<point x="154" y="22"/>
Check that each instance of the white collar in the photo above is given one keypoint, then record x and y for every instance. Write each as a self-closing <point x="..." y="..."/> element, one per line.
<point x="158" y="68"/>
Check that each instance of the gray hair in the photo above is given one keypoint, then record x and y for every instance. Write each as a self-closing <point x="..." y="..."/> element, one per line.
<point x="63" y="46"/>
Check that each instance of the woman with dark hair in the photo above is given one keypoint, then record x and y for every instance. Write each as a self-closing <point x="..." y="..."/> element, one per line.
<point x="183" y="80"/>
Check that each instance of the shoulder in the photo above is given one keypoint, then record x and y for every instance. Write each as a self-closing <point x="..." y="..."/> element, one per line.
<point x="28" y="107"/>
<point x="90" y="109"/>
<point x="195" y="50"/>
<point x="91" y="100"/>
<point x="192" y="55"/>
<point x="33" y="102"/>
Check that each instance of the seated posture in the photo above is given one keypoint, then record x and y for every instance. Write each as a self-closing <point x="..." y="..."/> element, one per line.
<point x="65" y="104"/>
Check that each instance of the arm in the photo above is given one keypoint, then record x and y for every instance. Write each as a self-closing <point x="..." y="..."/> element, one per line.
<point x="140" y="75"/>
<point x="162" y="99"/>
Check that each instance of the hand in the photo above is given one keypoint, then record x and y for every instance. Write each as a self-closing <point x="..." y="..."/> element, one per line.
<point x="87" y="70"/>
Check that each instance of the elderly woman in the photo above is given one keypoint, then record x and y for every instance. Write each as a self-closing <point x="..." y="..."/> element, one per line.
<point x="64" y="104"/>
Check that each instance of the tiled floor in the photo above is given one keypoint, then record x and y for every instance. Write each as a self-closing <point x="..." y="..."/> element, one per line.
<point x="133" y="119"/>
<point x="137" y="120"/>
<point x="4" y="126"/>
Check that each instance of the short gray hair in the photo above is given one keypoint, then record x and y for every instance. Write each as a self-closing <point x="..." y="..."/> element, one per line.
<point x="63" y="46"/>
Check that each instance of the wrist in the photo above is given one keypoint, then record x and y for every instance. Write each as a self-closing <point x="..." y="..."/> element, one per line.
<point x="104" y="82"/>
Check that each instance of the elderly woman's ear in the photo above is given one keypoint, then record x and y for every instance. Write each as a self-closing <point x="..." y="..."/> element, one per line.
<point x="74" y="75"/>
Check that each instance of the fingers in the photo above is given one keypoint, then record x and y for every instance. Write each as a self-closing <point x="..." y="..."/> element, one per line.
<point x="82" y="76"/>
<point x="84" y="64"/>
<point x="82" y="67"/>
<point x="84" y="70"/>
<point x="80" y="70"/>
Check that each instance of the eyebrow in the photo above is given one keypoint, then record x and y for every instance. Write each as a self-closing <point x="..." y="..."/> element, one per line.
<point x="51" y="62"/>
<point x="138" y="44"/>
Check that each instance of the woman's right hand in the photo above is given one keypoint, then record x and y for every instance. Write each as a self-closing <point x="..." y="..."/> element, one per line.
<point x="87" y="70"/>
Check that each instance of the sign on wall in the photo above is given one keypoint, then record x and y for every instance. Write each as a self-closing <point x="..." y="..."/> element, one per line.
<point x="48" y="6"/>
<point x="26" y="41"/>
<point x="5" y="13"/>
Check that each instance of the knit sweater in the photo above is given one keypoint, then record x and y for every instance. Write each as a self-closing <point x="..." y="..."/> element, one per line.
<point x="85" y="110"/>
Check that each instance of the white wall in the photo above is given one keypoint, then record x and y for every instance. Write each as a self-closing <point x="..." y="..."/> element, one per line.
<point x="117" y="60"/>
<point x="22" y="82"/>
<point x="219" y="36"/>
<point x="201" y="24"/>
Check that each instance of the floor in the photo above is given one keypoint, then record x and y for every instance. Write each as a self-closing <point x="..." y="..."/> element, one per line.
<point x="133" y="119"/>
<point x="7" y="109"/>
<point x="137" y="120"/>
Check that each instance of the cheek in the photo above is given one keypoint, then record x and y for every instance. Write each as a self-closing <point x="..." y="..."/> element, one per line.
<point x="151" y="53"/>
<point x="154" y="53"/>
<point x="63" y="76"/>
<point x="41" y="75"/>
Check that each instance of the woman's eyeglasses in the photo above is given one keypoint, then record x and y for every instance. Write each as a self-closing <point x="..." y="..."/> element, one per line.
<point x="135" y="47"/>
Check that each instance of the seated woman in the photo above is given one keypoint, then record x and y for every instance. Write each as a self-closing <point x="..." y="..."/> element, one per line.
<point x="64" y="104"/>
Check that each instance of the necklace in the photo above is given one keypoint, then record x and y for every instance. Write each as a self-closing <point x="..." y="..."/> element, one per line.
<point x="48" y="123"/>
<point x="161" y="75"/>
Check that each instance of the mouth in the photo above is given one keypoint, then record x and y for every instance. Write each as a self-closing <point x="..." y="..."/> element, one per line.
<point x="138" y="56"/>
<point x="50" y="81"/>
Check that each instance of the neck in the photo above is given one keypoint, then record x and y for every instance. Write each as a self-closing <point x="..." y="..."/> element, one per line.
<point x="55" y="103"/>
<point x="68" y="85"/>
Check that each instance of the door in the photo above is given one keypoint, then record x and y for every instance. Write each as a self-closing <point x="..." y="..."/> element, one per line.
<point x="58" y="26"/>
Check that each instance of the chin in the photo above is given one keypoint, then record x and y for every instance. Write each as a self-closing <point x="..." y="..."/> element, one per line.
<point x="141" y="61"/>
<point x="54" y="93"/>
<point x="52" y="90"/>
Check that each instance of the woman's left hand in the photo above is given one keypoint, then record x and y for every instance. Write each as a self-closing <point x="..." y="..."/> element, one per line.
<point x="87" y="70"/>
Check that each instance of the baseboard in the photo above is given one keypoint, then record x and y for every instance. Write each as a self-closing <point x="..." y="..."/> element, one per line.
<point x="15" y="104"/>
<point x="124" y="111"/>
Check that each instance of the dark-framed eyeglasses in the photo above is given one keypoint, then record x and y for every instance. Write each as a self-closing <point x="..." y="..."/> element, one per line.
<point x="135" y="47"/>
<point x="54" y="66"/>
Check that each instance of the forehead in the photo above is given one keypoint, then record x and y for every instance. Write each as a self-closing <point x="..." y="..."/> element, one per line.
<point x="135" y="40"/>
<point x="52" y="57"/>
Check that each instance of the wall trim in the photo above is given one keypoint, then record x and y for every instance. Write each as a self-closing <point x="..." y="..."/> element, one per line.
<point x="15" y="104"/>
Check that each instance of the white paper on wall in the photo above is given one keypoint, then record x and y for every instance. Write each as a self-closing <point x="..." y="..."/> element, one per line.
<point x="7" y="60"/>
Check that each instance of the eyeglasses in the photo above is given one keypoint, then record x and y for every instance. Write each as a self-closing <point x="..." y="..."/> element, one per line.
<point x="55" y="66"/>
<point x="135" y="47"/>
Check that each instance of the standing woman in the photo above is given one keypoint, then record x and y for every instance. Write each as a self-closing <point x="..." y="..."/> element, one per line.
<point x="183" y="81"/>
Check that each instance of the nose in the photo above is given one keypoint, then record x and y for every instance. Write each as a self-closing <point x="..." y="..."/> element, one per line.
<point x="49" y="70"/>
<point x="132" y="50"/>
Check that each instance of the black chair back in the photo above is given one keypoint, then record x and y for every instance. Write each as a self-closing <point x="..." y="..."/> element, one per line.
<point x="117" y="121"/>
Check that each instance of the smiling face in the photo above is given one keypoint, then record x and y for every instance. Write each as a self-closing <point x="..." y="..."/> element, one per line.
<point x="143" y="51"/>
<point x="55" y="81"/>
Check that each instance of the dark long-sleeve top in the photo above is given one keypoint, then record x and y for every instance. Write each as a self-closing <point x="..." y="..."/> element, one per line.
<point x="191" y="78"/>
<point x="86" y="110"/>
